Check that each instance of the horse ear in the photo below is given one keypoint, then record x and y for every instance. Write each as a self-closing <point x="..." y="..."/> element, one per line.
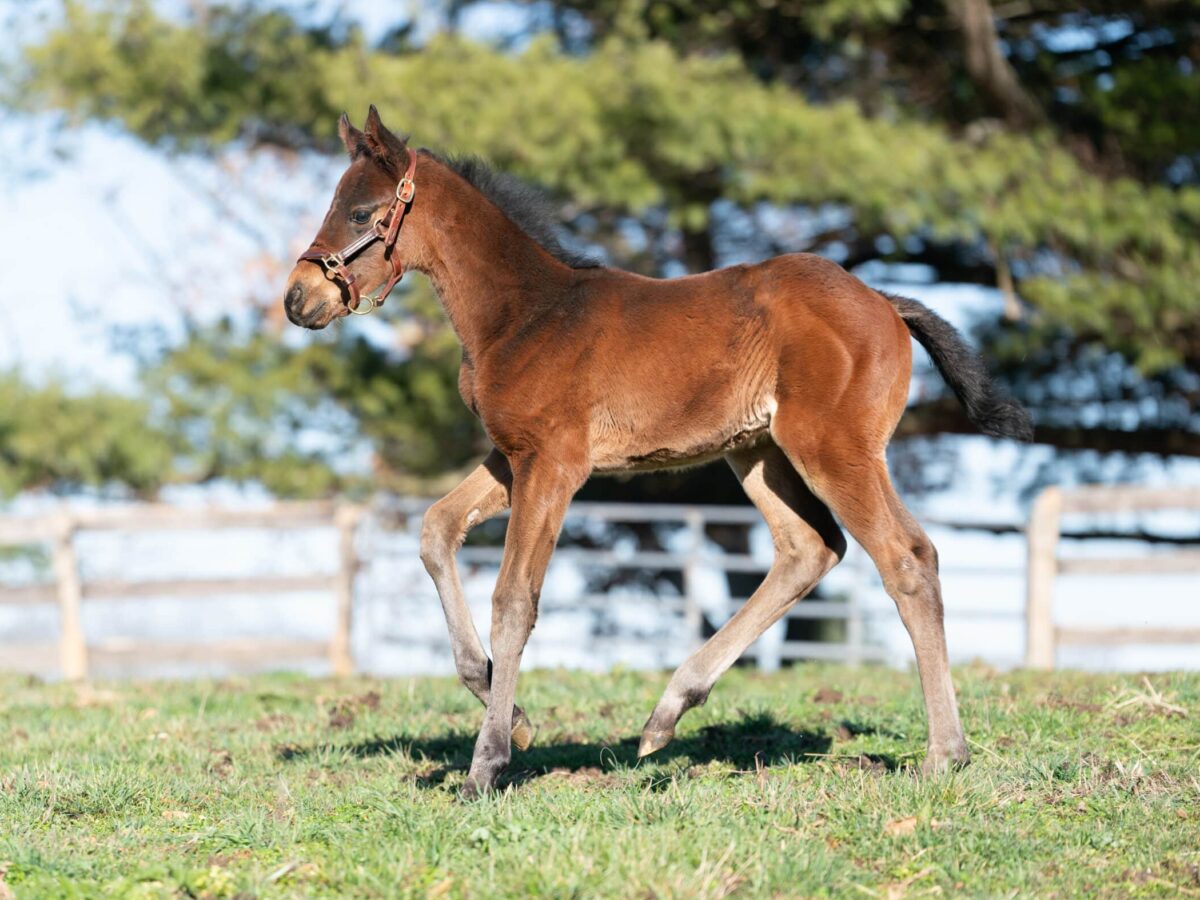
<point x="374" y="122"/>
<point x="351" y="136"/>
<point x="378" y="134"/>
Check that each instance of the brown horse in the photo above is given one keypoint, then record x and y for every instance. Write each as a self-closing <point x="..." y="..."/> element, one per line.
<point x="792" y="369"/>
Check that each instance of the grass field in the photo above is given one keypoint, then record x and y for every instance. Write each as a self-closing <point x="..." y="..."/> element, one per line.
<point x="796" y="784"/>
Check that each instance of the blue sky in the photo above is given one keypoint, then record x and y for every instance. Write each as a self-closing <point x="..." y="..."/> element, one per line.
<point x="115" y="236"/>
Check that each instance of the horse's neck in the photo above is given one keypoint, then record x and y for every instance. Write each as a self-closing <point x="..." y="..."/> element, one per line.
<point x="488" y="273"/>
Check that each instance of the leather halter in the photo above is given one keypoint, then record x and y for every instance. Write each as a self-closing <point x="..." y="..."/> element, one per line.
<point x="385" y="229"/>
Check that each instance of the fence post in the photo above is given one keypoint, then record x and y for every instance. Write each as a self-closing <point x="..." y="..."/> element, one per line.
<point x="341" y="654"/>
<point x="1042" y="567"/>
<point x="691" y="609"/>
<point x="72" y="645"/>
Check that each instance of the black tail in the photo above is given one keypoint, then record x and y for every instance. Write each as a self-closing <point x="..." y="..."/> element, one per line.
<point x="992" y="412"/>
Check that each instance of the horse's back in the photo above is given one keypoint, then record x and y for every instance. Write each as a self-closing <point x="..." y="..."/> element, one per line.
<point x="668" y="372"/>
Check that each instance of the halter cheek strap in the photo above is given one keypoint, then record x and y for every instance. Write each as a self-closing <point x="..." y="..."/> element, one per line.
<point x="386" y="228"/>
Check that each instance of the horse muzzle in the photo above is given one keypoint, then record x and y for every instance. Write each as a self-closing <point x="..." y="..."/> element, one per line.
<point x="310" y="313"/>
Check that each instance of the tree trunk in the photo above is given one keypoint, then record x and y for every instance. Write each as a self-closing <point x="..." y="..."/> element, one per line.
<point x="987" y="66"/>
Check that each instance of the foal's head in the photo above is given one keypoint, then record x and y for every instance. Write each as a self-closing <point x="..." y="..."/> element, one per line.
<point x="317" y="292"/>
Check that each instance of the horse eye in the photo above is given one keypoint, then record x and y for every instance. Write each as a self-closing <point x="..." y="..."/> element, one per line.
<point x="360" y="216"/>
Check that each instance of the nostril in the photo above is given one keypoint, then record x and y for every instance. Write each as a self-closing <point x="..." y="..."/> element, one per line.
<point x="294" y="298"/>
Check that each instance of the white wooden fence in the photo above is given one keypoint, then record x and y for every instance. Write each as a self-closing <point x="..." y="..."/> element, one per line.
<point x="1043" y="636"/>
<point x="692" y="555"/>
<point x="70" y="590"/>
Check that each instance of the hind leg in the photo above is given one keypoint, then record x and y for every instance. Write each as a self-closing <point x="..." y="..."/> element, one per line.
<point x="852" y="478"/>
<point x="808" y="544"/>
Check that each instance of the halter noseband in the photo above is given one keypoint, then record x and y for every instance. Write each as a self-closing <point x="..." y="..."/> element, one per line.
<point x="385" y="228"/>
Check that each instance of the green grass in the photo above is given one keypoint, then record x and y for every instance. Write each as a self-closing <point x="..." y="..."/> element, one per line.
<point x="796" y="784"/>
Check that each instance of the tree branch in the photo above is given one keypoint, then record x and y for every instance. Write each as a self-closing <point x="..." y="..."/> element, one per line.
<point x="988" y="67"/>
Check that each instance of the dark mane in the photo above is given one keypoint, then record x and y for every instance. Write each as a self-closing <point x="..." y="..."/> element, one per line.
<point x="527" y="207"/>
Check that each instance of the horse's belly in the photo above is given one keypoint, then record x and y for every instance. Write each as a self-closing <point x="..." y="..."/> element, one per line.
<point x="617" y="449"/>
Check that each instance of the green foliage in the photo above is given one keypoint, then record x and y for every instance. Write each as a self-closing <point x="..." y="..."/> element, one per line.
<point x="236" y="407"/>
<point x="410" y="410"/>
<point x="725" y="23"/>
<point x="1137" y="110"/>
<point x="53" y="439"/>
<point x="121" y="61"/>
<point x="1106" y="74"/>
<point x="279" y="786"/>
<point x="239" y="407"/>
<point x="829" y="17"/>
<point x="302" y="421"/>
<point x="635" y="124"/>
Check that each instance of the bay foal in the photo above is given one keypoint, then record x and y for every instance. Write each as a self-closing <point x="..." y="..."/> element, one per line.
<point x="792" y="369"/>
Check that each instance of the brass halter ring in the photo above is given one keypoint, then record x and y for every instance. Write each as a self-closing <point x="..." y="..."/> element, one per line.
<point x="368" y="301"/>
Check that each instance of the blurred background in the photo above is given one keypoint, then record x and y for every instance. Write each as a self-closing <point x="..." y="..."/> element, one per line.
<point x="1028" y="168"/>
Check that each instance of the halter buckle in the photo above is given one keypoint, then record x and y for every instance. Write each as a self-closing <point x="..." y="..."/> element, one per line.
<point x="332" y="263"/>
<point x="406" y="189"/>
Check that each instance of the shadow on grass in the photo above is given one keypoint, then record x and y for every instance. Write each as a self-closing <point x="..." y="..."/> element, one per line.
<point x="855" y="729"/>
<point x="756" y="740"/>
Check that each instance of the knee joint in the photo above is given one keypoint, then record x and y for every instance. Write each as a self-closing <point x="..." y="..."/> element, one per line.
<point x="438" y="540"/>
<point x="905" y="580"/>
<point x="914" y="572"/>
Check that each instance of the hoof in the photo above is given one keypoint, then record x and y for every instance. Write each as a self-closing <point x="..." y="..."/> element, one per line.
<point x="480" y="785"/>
<point x="471" y="790"/>
<point x="522" y="730"/>
<point x="653" y="741"/>
<point x="940" y="760"/>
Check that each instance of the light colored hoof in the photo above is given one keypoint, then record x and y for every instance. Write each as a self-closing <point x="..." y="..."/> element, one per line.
<point x="941" y="760"/>
<point x="471" y="791"/>
<point x="522" y="731"/>
<point x="653" y="741"/>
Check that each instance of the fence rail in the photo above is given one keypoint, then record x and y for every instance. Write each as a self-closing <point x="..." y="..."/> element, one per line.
<point x="1043" y="637"/>
<point x="70" y="590"/>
